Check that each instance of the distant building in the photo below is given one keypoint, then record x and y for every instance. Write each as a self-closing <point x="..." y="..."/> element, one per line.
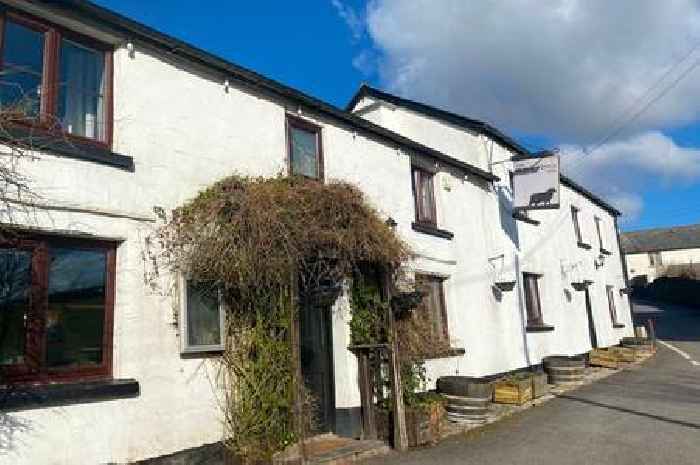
<point x="652" y="253"/>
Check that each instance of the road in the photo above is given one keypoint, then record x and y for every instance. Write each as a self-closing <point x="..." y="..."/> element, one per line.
<point x="646" y="415"/>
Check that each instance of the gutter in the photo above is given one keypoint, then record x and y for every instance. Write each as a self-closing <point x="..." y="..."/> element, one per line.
<point x="175" y="46"/>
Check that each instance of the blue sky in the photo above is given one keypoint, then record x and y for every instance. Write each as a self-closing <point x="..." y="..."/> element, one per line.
<point x="478" y="67"/>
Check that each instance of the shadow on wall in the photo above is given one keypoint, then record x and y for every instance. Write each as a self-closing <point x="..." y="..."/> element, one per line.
<point x="12" y="428"/>
<point x="508" y="223"/>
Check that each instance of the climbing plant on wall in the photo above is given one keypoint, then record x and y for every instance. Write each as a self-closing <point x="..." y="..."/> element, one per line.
<point x="268" y="243"/>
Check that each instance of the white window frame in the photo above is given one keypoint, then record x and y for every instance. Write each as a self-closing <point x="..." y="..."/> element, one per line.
<point x="185" y="346"/>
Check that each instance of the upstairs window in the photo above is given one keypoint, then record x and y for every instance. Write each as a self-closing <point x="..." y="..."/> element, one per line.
<point x="577" y="226"/>
<point x="655" y="259"/>
<point x="56" y="307"/>
<point x="533" y="304"/>
<point x="600" y="234"/>
<point x="611" y="304"/>
<point x="56" y="77"/>
<point x="424" y="196"/>
<point x="305" y="155"/>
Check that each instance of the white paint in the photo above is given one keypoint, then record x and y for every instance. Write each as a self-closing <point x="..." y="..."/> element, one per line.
<point x="184" y="134"/>
<point x="639" y="264"/>
<point x="683" y="354"/>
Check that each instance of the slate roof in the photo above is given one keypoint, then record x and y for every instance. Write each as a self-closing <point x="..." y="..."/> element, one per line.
<point x="480" y="127"/>
<point x="659" y="239"/>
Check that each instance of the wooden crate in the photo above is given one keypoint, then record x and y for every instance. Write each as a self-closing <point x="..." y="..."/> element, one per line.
<point x="513" y="391"/>
<point x="539" y="384"/>
<point x="624" y="354"/>
<point x="602" y="358"/>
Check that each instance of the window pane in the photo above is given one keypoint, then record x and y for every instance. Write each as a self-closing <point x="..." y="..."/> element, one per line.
<point x="23" y="58"/>
<point x="203" y="317"/>
<point x="81" y="90"/>
<point x="15" y="286"/>
<point x="76" y="307"/>
<point x="532" y="299"/>
<point x="304" y="152"/>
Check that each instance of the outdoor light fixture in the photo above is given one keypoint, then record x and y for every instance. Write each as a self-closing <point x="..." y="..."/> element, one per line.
<point x="227" y="85"/>
<point x="130" y="48"/>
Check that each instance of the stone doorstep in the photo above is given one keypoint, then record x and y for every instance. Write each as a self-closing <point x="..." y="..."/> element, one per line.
<point x="500" y="411"/>
<point x="329" y="449"/>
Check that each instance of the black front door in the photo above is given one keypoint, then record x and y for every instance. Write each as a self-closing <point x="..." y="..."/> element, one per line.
<point x="317" y="364"/>
<point x="591" y="324"/>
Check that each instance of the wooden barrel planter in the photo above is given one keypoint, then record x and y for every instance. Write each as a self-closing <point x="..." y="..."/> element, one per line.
<point x="467" y="398"/>
<point x="563" y="370"/>
<point x="603" y="358"/>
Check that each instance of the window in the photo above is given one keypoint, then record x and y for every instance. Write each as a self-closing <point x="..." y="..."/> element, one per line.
<point x="655" y="259"/>
<point x="533" y="304"/>
<point x="305" y="155"/>
<point x="202" y="318"/>
<point x="56" y="306"/>
<point x="577" y="226"/>
<point x="424" y="196"/>
<point x="56" y="77"/>
<point x="432" y="307"/>
<point x="611" y="304"/>
<point x="600" y="235"/>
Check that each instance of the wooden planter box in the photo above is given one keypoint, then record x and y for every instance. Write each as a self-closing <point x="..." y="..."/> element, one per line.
<point x="539" y="384"/>
<point x="513" y="391"/>
<point x="624" y="354"/>
<point x="603" y="358"/>
<point x="423" y="425"/>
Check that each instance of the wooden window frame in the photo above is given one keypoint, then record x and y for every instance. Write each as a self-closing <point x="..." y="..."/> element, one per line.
<point x="36" y="371"/>
<point x="53" y="35"/>
<point x="533" y="320"/>
<point x="612" y="308"/>
<point x="443" y="303"/>
<point x="422" y="174"/>
<point x="600" y="233"/>
<point x="185" y="346"/>
<point x="577" y="224"/>
<point x="294" y="122"/>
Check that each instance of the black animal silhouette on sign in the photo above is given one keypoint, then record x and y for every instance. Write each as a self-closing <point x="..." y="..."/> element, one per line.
<point x="542" y="199"/>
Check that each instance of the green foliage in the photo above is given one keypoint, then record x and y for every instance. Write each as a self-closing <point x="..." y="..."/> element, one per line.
<point x="266" y="242"/>
<point x="369" y="313"/>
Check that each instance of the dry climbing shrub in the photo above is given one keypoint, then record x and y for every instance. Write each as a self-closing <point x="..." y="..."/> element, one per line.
<point x="265" y="242"/>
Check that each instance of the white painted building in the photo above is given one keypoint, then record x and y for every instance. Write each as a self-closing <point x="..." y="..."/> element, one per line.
<point x="651" y="253"/>
<point x="152" y="121"/>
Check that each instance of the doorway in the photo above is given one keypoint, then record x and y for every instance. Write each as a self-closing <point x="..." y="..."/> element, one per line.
<point x="591" y="323"/>
<point x="316" y="343"/>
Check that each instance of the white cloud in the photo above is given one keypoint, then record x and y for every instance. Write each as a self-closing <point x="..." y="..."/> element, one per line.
<point x="623" y="170"/>
<point x="564" y="68"/>
<point x="354" y="21"/>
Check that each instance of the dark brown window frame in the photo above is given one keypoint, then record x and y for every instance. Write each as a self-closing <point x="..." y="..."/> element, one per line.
<point x="304" y="125"/>
<point x="420" y="215"/>
<point x="535" y="320"/>
<point x="612" y="308"/>
<point x="36" y="371"/>
<point x="443" y="303"/>
<point x="53" y="33"/>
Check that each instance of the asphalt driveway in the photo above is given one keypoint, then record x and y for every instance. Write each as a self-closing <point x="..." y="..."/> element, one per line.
<point x="646" y="415"/>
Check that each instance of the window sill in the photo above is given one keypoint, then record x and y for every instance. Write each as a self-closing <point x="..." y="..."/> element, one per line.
<point x="432" y="230"/>
<point x="23" y="397"/>
<point x="70" y="147"/>
<point x="618" y="325"/>
<point x="583" y="245"/>
<point x="520" y="216"/>
<point x="539" y="328"/>
<point x="605" y="252"/>
<point x="452" y="352"/>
